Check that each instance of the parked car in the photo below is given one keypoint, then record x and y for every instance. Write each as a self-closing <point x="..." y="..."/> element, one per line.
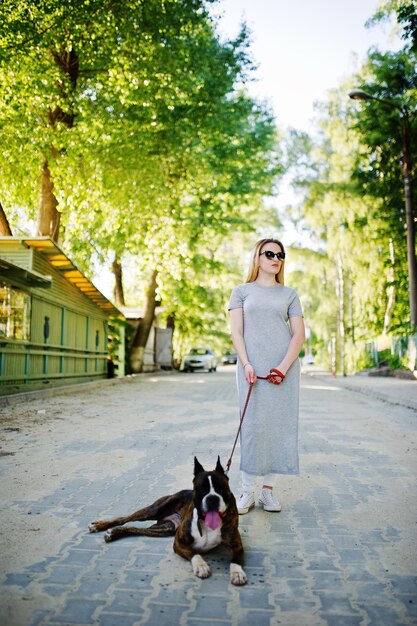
<point x="199" y="359"/>
<point x="308" y="359"/>
<point x="229" y="357"/>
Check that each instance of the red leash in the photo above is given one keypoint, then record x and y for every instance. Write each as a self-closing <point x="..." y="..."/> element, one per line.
<point x="273" y="372"/>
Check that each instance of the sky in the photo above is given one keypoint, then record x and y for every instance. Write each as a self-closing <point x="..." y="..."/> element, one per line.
<point x="303" y="48"/>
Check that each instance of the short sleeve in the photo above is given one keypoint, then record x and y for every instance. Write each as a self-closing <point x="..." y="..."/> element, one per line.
<point x="236" y="299"/>
<point x="294" y="308"/>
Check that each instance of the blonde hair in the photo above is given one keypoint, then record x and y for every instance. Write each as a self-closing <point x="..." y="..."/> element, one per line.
<point x="254" y="262"/>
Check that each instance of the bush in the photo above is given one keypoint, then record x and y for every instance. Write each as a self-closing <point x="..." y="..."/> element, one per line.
<point x="393" y="361"/>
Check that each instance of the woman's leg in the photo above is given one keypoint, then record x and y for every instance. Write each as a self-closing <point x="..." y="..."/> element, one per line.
<point x="269" y="481"/>
<point x="266" y="497"/>
<point x="247" y="498"/>
<point x="248" y="482"/>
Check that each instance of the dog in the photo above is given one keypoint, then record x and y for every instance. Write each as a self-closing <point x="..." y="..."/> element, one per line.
<point x="200" y="518"/>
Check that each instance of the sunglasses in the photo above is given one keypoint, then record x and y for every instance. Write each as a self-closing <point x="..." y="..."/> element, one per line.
<point x="271" y="255"/>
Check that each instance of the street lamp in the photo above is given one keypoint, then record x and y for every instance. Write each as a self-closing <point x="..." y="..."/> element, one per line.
<point x="358" y="94"/>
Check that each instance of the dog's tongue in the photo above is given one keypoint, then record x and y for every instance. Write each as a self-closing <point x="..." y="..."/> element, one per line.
<point x="212" y="519"/>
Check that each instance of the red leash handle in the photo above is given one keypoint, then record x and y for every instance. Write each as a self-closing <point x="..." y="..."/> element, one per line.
<point x="277" y="372"/>
<point x="272" y="374"/>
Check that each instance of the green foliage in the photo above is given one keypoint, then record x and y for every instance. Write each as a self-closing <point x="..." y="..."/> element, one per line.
<point x="377" y="170"/>
<point x="118" y="327"/>
<point x="353" y="206"/>
<point x="405" y="12"/>
<point x="358" y="358"/>
<point x="393" y="361"/>
<point x="158" y="156"/>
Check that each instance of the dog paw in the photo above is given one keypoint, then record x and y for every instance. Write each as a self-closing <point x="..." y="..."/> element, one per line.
<point x="108" y="536"/>
<point x="93" y="527"/>
<point x="237" y="575"/>
<point x="200" y="567"/>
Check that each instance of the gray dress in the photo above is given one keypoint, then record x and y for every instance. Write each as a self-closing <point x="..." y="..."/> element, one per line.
<point x="269" y="435"/>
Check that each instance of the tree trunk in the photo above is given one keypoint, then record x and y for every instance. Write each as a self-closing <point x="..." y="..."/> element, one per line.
<point x="140" y="339"/>
<point x="341" y="316"/>
<point x="391" y="289"/>
<point x="5" y="230"/>
<point x="48" y="216"/>
<point x="119" y="296"/>
<point x="351" y="318"/>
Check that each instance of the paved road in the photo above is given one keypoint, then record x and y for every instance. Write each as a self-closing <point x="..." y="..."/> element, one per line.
<point x="342" y="551"/>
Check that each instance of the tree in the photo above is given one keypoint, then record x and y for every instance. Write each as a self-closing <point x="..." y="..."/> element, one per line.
<point x="132" y="113"/>
<point x="74" y="72"/>
<point x="5" y="229"/>
<point x="390" y="77"/>
<point x="352" y="182"/>
<point x="405" y="12"/>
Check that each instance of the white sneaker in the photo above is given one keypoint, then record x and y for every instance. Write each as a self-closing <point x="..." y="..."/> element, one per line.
<point x="245" y="503"/>
<point x="268" y="501"/>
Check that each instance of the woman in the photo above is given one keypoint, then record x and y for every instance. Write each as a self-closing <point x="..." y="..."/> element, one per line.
<point x="267" y="329"/>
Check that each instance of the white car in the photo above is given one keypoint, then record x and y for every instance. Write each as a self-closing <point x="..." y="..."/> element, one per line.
<point x="199" y="359"/>
<point x="308" y="359"/>
<point x="229" y="357"/>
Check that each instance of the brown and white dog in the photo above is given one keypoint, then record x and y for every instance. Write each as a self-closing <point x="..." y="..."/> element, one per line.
<point x="200" y="518"/>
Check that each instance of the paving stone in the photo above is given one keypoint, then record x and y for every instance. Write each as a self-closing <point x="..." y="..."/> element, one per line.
<point x="256" y="575"/>
<point x="307" y="522"/>
<point x="256" y="598"/>
<point x="117" y="619"/>
<point x="410" y="607"/>
<point x="137" y="579"/>
<point x="95" y="587"/>
<point x="193" y="621"/>
<point x="63" y="575"/>
<point x="290" y="569"/>
<point x="260" y="618"/>
<point x="115" y="552"/>
<point x="326" y="580"/>
<point x="384" y="616"/>
<point x="163" y="615"/>
<point x="55" y="591"/>
<point x="335" y="603"/>
<point x="126" y="601"/>
<point x="331" y="558"/>
<point x="79" y="557"/>
<point x="353" y="572"/>
<point x="20" y="580"/>
<point x="341" y="542"/>
<point x="255" y="558"/>
<point x="352" y="556"/>
<point x="38" y="618"/>
<point x="301" y="606"/>
<point x="342" y="620"/>
<point x="210" y="607"/>
<point x="172" y="595"/>
<point x="404" y="584"/>
<point x="312" y="534"/>
<point x="77" y="612"/>
<point x="317" y="549"/>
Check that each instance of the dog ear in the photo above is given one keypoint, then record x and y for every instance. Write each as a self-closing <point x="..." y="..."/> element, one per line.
<point x="219" y="467"/>
<point x="198" y="468"/>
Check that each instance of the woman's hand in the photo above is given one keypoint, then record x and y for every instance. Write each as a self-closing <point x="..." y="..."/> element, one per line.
<point x="276" y="376"/>
<point x="250" y="374"/>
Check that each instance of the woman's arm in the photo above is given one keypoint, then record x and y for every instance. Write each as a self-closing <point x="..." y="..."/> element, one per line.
<point x="294" y="347"/>
<point x="236" y="328"/>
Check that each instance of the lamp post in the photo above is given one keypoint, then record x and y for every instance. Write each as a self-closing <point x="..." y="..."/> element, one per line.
<point x="358" y="94"/>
